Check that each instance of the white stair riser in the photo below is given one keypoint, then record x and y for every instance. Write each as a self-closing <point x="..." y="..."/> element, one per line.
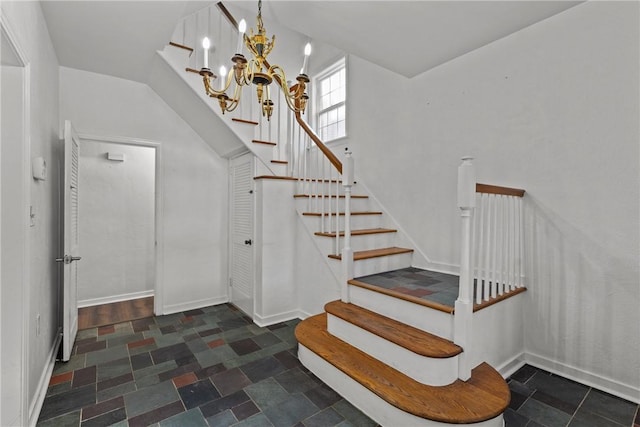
<point x="279" y="169"/>
<point x="433" y="321"/>
<point x="429" y="371"/>
<point x="316" y="204"/>
<point x="264" y="152"/>
<point x="362" y="398"/>
<point x="357" y="222"/>
<point x="366" y="267"/>
<point x="358" y="243"/>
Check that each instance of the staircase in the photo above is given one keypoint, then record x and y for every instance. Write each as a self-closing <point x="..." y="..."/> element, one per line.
<point x="403" y="361"/>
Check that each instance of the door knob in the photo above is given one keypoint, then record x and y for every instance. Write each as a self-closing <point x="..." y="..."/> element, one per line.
<point x="247" y="242"/>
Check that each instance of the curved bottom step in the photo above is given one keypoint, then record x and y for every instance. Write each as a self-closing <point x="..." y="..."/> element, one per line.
<point x="390" y="397"/>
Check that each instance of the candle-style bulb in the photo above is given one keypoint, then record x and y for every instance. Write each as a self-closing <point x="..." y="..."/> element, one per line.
<point x="206" y="44"/>
<point x="307" y="52"/>
<point x="223" y="74"/>
<point x="242" y="27"/>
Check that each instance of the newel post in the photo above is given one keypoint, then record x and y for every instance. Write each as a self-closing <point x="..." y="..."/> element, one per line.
<point x="463" y="317"/>
<point x="347" y="252"/>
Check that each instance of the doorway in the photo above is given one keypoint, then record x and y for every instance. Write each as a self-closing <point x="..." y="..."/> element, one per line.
<point x="117" y="226"/>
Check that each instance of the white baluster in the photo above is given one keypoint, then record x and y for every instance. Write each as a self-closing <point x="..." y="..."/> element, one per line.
<point x="347" y="252"/>
<point x="487" y="249"/>
<point x="521" y="241"/>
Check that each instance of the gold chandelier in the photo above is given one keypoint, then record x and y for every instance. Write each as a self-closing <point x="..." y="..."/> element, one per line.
<point x="257" y="71"/>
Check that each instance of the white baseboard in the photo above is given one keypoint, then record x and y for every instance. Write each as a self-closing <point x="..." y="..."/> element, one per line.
<point x="511" y="366"/>
<point x="616" y="388"/>
<point x="115" y="298"/>
<point x="276" y="318"/>
<point x="43" y="384"/>
<point x="192" y="305"/>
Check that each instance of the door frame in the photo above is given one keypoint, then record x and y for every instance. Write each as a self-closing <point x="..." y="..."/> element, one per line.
<point x="230" y="232"/>
<point x="158" y="297"/>
<point x="25" y="65"/>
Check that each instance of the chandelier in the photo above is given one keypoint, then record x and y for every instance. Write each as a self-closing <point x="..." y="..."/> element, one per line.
<point x="255" y="71"/>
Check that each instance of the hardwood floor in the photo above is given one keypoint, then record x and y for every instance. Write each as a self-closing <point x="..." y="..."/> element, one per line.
<point x="108" y="314"/>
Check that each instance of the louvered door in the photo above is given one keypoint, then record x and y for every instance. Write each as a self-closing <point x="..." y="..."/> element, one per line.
<point x="242" y="219"/>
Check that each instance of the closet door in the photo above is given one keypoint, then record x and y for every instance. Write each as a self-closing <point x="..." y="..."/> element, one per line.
<point x="242" y="224"/>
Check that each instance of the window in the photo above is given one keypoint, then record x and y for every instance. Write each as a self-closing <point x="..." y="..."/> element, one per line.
<point x="330" y="102"/>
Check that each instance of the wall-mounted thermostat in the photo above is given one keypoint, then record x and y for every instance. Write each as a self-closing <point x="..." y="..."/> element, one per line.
<point x="39" y="168"/>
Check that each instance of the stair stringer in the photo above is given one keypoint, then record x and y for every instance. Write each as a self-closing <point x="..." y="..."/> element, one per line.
<point x="183" y="92"/>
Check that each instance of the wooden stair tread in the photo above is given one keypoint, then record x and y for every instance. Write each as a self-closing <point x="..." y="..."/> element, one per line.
<point x="181" y="46"/>
<point x="403" y="335"/>
<point x="280" y="162"/>
<point x="410" y="298"/>
<point x="341" y="213"/>
<point x="375" y="253"/>
<point x="361" y="232"/>
<point x="342" y="196"/>
<point x="258" y="141"/>
<point x="249" y="122"/>
<point x="484" y="396"/>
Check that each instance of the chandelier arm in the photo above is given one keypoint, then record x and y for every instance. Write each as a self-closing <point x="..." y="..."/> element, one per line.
<point x="291" y="95"/>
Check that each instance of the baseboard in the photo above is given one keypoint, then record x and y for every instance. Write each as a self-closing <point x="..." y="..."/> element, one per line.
<point x="43" y="383"/>
<point x="303" y="314"/>
<point x="599" y="382"/>
<point x="511" y="366"/>
<point x="115" y="298"/>
<point x="276" y="318"/>
<point x="192" y="305"/>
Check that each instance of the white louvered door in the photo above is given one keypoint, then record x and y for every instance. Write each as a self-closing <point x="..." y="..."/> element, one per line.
<point x="242" y="217"/>
<point x="71" y="246"/>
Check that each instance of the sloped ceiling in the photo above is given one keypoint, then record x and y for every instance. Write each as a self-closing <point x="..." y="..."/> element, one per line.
<point x="119" y="38"/>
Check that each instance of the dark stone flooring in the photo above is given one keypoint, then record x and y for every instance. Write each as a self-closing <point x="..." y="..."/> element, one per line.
<point x="424" y="284"/>
<point x="213" y="367"/>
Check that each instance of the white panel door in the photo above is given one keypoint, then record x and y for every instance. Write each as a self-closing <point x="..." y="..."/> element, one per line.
<point x="242" y="255"/>
<point x="71" y="246"/>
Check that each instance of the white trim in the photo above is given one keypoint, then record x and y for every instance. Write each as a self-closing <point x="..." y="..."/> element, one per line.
<point x="192" y="305"/>
<point x="509" y="367"/>
<point x="13" y="40"/>
<point x="275" y="318"/>
<point x="115" y="298"/>
<point x="43" y="384"/>
<point x="158" y="292"/>
<point x="609" y="385"/>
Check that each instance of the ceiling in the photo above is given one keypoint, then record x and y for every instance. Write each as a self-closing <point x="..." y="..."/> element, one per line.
<point x="119" y="38"/>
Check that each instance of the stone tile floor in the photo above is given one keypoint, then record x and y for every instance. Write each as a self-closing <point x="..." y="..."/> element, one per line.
<point x="214" y="367"/>
<point x="428" y="285"/>
<point x="205" y="367"/>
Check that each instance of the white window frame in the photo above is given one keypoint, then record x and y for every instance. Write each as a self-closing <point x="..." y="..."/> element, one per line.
<point x="338" y="65"/>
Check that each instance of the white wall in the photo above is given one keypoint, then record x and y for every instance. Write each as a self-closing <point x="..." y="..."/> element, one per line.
<point x="117" y="222"/>
<point x="27" y="21"/>
<point x="193" y="183"/>
<point x="552" y="109"/>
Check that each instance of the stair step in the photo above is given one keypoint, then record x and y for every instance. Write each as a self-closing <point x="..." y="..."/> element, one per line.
<point x="341" y="213"/>
<point x="362" y="232"/>
<point x="280" y="162"/>
<point x="181" y="46"/>
<point x="375" y="253"/>
<point x="400" y="295"/>
<point x="249" y="122"/>
<point x="483" y="397"/>
<point x="342" y="196"/>
<point x="257" y="141"/>
<point x="413" y="339"/>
